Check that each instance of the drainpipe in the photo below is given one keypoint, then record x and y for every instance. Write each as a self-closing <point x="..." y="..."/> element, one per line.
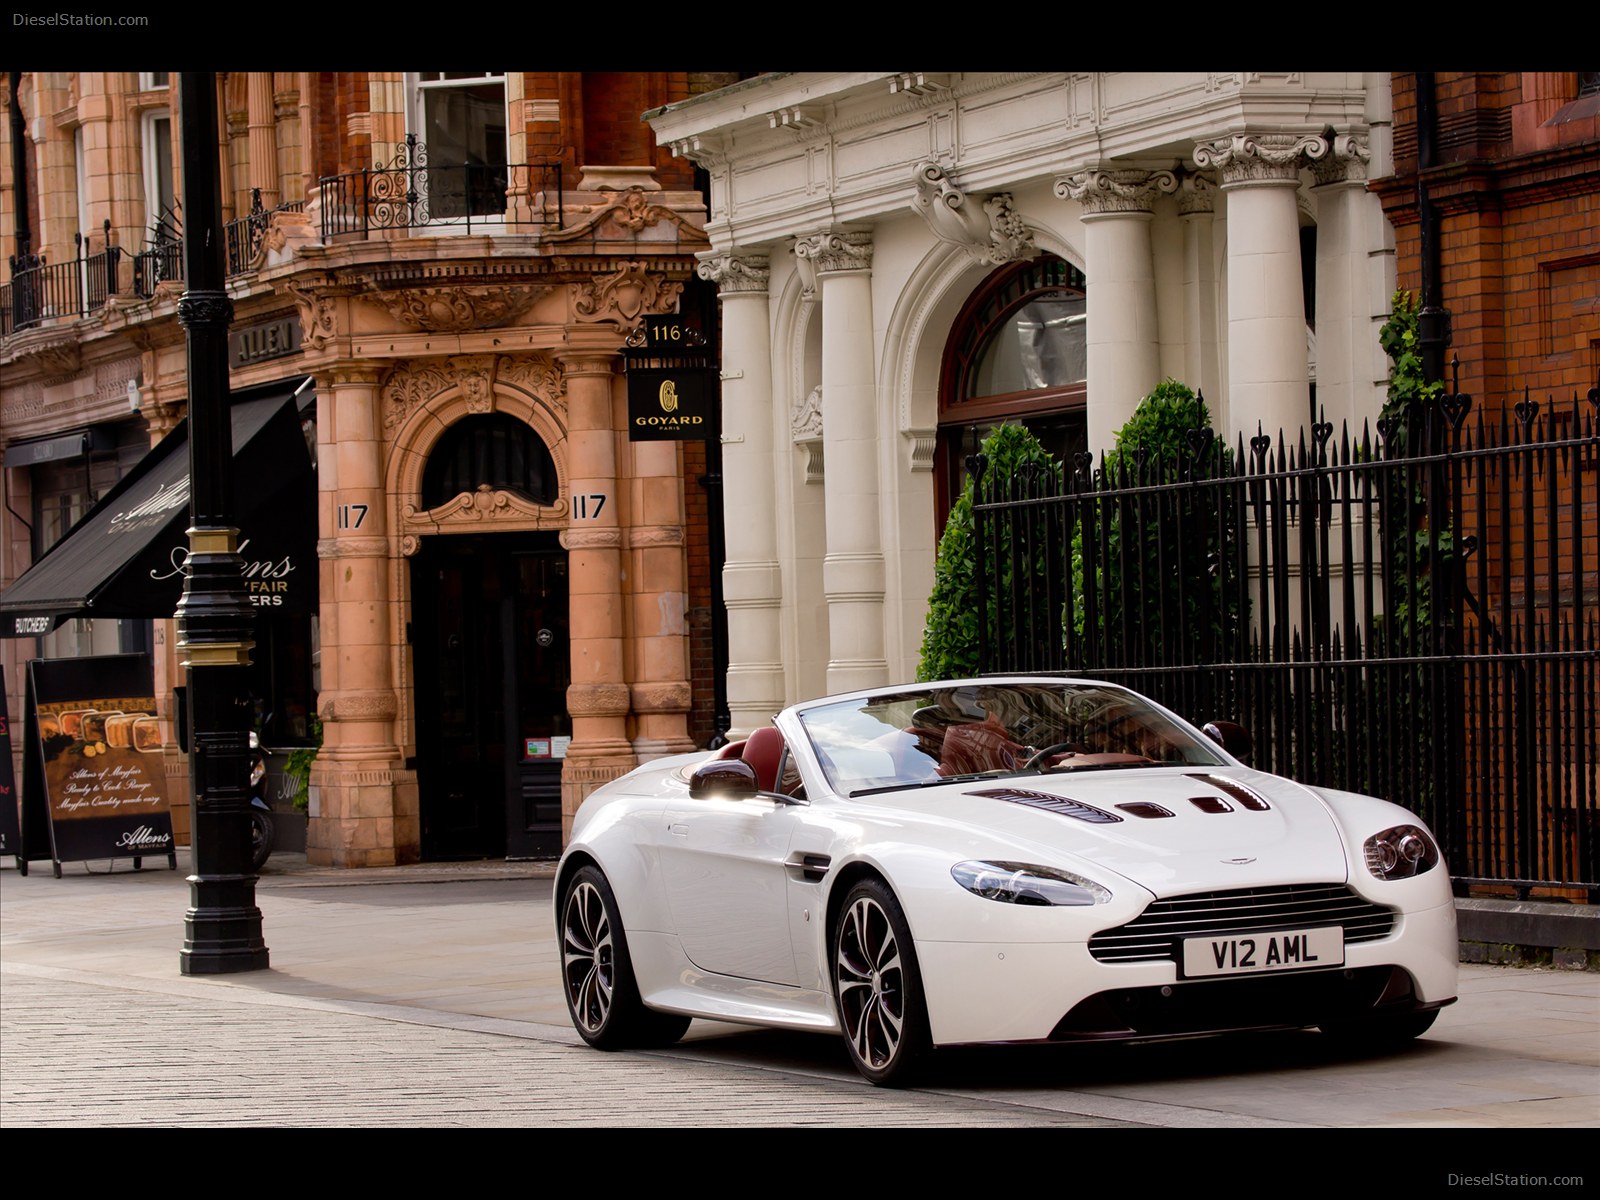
<point x="1433" y="319"/>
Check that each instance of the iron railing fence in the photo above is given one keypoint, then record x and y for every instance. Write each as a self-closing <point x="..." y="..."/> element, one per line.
<point x="409" y="192"/>
<point x="244" y="239"/>
<point x="39" y="291"/>
<point x="1413" y="613"/>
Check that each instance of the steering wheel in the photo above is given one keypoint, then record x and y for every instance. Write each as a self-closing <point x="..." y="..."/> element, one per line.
<point x="1039" y="756"/>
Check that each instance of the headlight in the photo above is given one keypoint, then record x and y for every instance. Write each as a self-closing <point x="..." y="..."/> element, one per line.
<point x="1400" y="852"/>
<point x="1021" y="883"/>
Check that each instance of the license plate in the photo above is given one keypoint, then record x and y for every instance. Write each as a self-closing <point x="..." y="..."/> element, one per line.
<point x="1252" y="953"/>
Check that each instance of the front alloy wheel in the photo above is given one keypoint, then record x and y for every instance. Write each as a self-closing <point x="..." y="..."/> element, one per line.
<point x="602" y="996"/>
<point x="877" y="986"/>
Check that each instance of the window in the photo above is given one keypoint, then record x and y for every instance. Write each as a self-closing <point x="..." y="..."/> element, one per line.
<point x="160" y="200"/>
<point x="460" y="116"/>
<point x="149" y="81"/>
<point x="1018" y="352"/>
<point x="497" y="450"/>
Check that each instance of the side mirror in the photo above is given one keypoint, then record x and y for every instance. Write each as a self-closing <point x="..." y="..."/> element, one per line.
<point x="724" y="778"/>
<point x="1232" y="737"/>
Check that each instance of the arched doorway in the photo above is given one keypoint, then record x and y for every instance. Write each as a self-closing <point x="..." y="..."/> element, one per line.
<point x="489" y="635"/>
<point x="1017" y="352"/>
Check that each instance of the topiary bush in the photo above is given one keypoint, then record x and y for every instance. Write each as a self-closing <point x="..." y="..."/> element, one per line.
<point x="950" y="634"/>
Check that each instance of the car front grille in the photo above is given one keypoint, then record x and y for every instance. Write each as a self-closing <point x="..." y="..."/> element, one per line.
<point x="1157" y="934"/>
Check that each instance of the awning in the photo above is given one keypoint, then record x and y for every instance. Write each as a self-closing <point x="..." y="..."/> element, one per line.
<point x="59" y="447"/>
<point x="125" y="557"/>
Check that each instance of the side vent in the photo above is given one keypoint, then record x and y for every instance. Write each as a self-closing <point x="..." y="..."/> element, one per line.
<point x="810" y="867"/>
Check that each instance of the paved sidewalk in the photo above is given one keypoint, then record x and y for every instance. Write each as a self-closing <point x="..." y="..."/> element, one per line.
<point x="428" y="996"/>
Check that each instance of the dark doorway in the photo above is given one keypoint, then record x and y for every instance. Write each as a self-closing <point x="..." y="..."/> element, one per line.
<point x="489" y="636"/>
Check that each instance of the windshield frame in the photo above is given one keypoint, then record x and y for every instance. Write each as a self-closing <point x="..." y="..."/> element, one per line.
<point x="894" y="739"/>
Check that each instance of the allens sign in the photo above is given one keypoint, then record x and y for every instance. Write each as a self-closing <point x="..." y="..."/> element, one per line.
<point x="671" y="385"/>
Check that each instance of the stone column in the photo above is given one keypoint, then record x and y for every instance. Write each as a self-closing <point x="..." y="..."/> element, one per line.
<point x="1124" y="358"/>
<point x="1347" y="342"/>
<point x="598" y="698"/>
<point x="853" y="568"/>
<point x="658" y="684"/>
<point x="263" y="138"/>
<point x="354" y="819"/>
<point x="1268" y="381"/>
<point x="752" y="582"/>
<point x="1196" y="197"/>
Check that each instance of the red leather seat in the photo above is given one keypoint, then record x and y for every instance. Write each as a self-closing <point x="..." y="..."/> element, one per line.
<point x="763" y="750"/>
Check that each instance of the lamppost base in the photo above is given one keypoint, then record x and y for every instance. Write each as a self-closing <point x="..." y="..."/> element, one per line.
<point x="222" y="937"/>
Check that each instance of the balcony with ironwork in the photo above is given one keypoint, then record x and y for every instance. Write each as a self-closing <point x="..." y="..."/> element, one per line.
<point x="41" y="290"/>
<point x="409" y="192"/>
<point x="244" y="238"/>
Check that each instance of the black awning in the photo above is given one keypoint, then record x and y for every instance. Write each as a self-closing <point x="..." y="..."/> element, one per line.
<point x="125" y="557"/>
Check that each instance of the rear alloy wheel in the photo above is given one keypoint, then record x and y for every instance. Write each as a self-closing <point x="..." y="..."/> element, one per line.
<point x="877" y="986"/>
<point x="602" y="996"/>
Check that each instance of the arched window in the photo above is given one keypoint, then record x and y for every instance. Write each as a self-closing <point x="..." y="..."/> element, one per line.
<point x="1017" y="352"/>
<point x="497" y="450"/>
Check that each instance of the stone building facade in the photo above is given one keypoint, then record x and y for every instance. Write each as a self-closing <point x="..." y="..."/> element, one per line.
<point x="905" y="259"/>
<point x="449" y="266"/>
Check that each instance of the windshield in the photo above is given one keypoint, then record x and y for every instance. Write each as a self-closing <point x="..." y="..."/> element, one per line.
<point x="937" y="734"/>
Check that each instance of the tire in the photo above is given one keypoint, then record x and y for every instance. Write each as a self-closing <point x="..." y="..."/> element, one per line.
<point x="597" y="975"/>
<point x="1384" y="1031"/>
<point x="261" y="835"/>
<point x="877" y="987"/>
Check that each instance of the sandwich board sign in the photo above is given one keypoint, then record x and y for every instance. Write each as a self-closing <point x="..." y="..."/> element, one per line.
<point x="10" y="831"/>
<point x="92" y="777"/>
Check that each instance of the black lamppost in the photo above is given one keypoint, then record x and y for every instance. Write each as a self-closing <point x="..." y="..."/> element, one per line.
<point x="222" y="929"/>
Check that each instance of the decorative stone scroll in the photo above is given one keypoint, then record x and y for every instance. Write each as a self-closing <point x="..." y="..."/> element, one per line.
<point x="997" y="235"/>
<point x="834" y="251"/>
<point x="735" y="271"/>
<point x="455" y="309"/>
<point x="1345" y="162"/>
<point x="1260" y="157"/>
<point x="1126" y="191"/>
<point x="625" y="295"/>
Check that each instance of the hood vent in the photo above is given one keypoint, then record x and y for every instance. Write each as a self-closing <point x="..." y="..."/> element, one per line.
<point x="1245" y="797"/>
<point x="1049" y="803"/>
<point x="1145" y="808"/>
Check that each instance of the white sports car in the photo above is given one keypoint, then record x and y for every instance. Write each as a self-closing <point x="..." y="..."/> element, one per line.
<point x="1021" y="859"/>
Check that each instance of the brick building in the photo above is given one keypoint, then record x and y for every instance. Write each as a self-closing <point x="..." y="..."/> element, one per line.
<point x="1511" y="163"/>
<point x="435" y="273"/>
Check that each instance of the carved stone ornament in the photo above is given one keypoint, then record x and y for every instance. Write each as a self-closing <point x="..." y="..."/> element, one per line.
<point x="317" y="324"/>
<point x="536" y="375"/>
<point x="484" y="504"/>
<point x="625" y="295"/>
<point x="733" y="272"/>
<point x="1260" y="157"/>
<point x="358" y="706"/>
<point x="408" y="388"/>
<point x="1197" y="196"/>
<point x="806" y="422"/>
<point x="996" y="235"/>
<point x="1130" y="191"/>
<point x="55" y="362"/>
<point x="475" y="375"/>
<point x="829" y="252"/>
<point x="598" y="699"/>
<point x="630" y="211"/>
<point x="1345" y="162"/>
<point x="454" y="309"/>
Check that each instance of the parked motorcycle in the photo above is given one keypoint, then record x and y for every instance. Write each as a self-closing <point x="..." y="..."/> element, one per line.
<point x="262" y="829"/>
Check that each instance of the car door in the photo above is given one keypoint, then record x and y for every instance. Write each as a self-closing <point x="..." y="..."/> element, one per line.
<point x="722" y="862"/>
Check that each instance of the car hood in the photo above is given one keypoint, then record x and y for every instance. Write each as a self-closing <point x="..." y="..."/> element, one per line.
<point x="1272" y="832"/>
